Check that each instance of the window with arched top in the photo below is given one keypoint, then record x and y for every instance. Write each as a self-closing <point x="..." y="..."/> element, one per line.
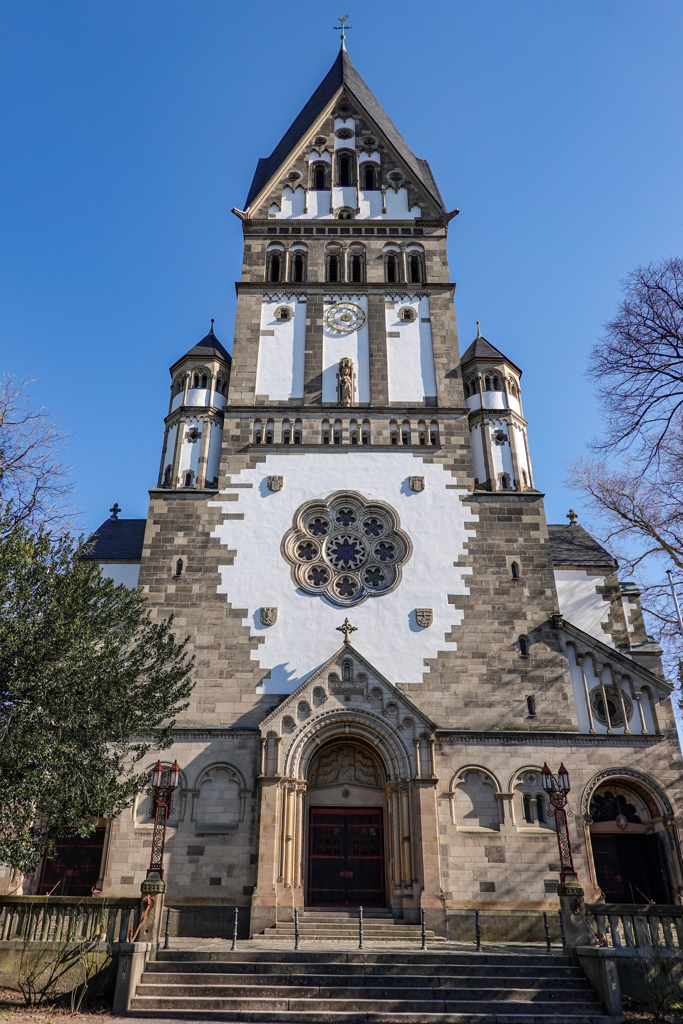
<point x="505" y="482"/>
<point x="286" y="432"/>
<point x="179" y="567"/>
<point x="325" y="431"/>
<point x="370" y="177"/>
<point x="523" y="644"/>
<point x="319" y="177"/>
<point x="366" y="432"/>
<point x="393" y="432"/>
<point x="275" y="264"/>
<point x="391" y="268"/>
<point x="283" y="313"/>
<point x="333" y="265"/>
<point x="434" y="433"/>
<point x="357" y="265"/>
<point x="298" y="431"/>
<point x="531" y="706"/>
<point x="219" y="804"/>
<point x="346" y="671"/>
<point x="345" y="169"/>
<point x="297" y="265"/>
<point x="527" y="809"/>
<point x="415" y="268"/>
<point x="188" y="478"/>
<point x="167" y="476"/>
<point x="514" y="570"/>
<point x="405" y="432"/>
<point x="345" y="214"/>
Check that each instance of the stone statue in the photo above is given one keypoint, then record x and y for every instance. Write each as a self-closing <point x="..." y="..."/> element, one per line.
<point x="346" y="381"/>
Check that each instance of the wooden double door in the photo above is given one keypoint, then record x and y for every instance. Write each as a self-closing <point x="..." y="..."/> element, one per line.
<point x="346" y="857"/>
<point x="630" y="869"/>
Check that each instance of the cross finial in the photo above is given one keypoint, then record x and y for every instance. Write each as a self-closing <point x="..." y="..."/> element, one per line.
<point x="572" y="517"/>
<point x="343" y="28"/>
<point x="115" y="509"/>
<point x="347" y="629"/>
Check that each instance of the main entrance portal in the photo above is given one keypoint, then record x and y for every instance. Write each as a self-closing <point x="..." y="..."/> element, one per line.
<point x="346" y="857"/>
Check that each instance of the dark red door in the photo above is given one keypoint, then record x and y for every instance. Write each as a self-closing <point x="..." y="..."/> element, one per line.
<point x="629" y="869"/>
<point x="346" y="858"/>
<point x="76" y="868"/>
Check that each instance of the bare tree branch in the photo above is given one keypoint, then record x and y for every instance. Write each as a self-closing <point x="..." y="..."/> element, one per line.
<point x="32" y="476"/>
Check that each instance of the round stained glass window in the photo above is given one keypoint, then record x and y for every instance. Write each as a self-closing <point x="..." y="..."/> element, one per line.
<point x="347" y="548"/>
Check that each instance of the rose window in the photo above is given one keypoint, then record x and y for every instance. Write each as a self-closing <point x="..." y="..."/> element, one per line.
<point x="346" y="548"/>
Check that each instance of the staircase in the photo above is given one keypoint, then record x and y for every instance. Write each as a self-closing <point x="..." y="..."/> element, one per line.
<point x="366" y="988"/>
<point x="342" y="926"/>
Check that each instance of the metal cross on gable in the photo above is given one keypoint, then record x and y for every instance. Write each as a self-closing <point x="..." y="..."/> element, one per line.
<point x="343" y="28"/>
<point x="347" y="629"/>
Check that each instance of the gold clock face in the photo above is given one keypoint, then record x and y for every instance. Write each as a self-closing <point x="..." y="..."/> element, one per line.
<point x="345" y="317"/>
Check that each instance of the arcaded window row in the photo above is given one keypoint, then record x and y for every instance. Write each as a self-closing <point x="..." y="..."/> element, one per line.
<point x="346" y="263"/>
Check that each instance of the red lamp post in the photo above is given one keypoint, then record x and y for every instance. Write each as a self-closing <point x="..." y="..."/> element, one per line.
<point x="557" y="787"/>
<point x="164" y="782"/>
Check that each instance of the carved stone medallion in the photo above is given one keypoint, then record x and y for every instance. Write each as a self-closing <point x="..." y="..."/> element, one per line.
<point x="268" y="616"/>
<point x="424" y="616"/>
<point x="416" y="483"/>
<point x="275" y="483"/>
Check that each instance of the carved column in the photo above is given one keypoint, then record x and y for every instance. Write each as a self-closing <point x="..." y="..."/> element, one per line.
<point x="264" y="899"/>
<point x="204" y="452"/>
<point x="581" y="661"/>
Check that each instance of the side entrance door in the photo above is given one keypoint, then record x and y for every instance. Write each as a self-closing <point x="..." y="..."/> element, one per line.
<point x="346" y="858"/>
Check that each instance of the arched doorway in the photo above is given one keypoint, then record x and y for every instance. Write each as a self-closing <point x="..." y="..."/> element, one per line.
<point x="345" y="821"/>
<point x="631" y="844"/>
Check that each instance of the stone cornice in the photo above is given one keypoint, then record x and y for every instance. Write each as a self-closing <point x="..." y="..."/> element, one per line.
<point x="343" y="287"/>
<point x="547" y="738"/>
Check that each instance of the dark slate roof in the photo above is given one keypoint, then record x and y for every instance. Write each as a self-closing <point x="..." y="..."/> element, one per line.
<point x="341" y="73"/>
<point x="572" y="545"/>
<point x="483" y="349"/>
<point x="117" y="540"/>
<point x="208" y="348"/>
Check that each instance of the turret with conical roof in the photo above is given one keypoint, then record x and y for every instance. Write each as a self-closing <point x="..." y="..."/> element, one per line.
<point x="500" y="449"/>
<point x="194" y="425"/>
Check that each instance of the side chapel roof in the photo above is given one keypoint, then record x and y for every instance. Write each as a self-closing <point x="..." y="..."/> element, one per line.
<point x="342" y="73"/>
<point x="117" y="540"/>
<point x="572" y="545"/>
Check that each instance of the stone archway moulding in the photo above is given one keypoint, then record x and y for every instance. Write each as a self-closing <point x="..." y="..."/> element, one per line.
<point x="653" y="789"/>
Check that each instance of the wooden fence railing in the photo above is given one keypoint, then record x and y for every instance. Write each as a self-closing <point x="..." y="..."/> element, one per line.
<point x="67" y="918"/>
<point x="637" y="926"/>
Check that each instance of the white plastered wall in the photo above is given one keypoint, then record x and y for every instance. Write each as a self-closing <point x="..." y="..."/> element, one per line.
<point x="581" y="604"/>
<point x="280" y="367"/>
<point x="479" y="465"/>
<point x="501" y="455"/>
<point x="354" y="345"/>
<point x="304" y="635"/>
<point x="170" y="449"/>
<point x="214" y="456"/>
<point x="410" y="359"/>
<point x="190" y="450"/>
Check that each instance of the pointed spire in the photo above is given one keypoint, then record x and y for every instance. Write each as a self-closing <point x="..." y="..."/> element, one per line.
<point x="211" y="330"/>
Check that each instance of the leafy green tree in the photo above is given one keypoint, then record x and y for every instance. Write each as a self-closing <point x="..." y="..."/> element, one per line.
<point x="88" y="683"/>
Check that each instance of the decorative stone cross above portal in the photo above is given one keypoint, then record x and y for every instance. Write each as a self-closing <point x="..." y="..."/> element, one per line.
<point x="347" y="629"/>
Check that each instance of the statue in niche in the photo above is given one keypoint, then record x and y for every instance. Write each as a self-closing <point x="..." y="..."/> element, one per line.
<point x="345" y="376"/>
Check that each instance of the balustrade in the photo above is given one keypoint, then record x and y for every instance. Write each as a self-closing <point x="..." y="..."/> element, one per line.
<point x="67" y="918"/>
<point x="637" y="926"/>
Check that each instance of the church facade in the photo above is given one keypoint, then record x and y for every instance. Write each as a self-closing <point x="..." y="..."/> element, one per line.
<point x="390" y="641"/>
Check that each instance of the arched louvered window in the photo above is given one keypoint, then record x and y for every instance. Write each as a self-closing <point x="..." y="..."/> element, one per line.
<point x="319" y="177"/>
<point x="345" y="171"/>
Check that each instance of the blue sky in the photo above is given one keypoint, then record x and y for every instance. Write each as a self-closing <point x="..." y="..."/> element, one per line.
<point x="131" y="128"/>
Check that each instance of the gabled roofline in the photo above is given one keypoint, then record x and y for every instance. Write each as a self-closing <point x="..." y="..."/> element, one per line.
<point x="342" y="74"/>
<point x="345" y="649"/>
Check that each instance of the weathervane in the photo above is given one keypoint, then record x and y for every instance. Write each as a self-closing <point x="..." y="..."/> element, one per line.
<point x="347" y="629"/>
<point x="343" y="28"/>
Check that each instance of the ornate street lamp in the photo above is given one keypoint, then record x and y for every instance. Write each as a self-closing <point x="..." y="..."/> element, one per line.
<point x="557" y="787"/>
<point x="164" y="782"/>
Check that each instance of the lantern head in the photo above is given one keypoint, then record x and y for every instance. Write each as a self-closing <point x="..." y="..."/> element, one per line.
<point x="564" y="779"/>
<point x="547" y="778"/>
<point x="157" y="772"/>
<point x="175" y="775"/>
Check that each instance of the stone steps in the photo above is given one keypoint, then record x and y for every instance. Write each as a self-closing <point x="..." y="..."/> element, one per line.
<point x="307" y="987"/>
